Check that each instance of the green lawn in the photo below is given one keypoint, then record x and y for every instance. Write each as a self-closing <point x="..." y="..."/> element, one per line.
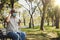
<point x="37" y="34"/>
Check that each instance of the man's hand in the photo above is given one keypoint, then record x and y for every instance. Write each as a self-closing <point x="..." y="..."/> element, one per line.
<point x="8" y="18"/>
<point x="19" y="22"/>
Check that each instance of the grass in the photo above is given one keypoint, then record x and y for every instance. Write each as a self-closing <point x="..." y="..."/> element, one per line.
<point x="50" y="32"/>
<point x="37" y="29"/>
<point x="37" y="34"/>
<point x="1" y="26"/>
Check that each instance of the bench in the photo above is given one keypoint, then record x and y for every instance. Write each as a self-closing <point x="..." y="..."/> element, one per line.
<point x="4" y="37"/>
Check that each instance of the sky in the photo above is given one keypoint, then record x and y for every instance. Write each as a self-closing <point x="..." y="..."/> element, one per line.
<point x="23" y="2"/>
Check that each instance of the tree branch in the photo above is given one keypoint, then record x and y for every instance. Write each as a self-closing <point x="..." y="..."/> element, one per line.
<point x="24" y="7"/>
<point x="35" y="7"/>
<point x="27" y="2"/>
<point x="40" y="9"/>
<point x="43" y="2"/>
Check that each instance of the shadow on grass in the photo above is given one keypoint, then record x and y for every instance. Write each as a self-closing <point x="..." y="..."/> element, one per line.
<point x="55" y="38"/>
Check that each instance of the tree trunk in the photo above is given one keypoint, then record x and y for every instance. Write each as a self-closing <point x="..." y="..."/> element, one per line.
<point x="57" y="23"/>
<point x="32" y="21"/>
<point x="24" y="22"/>
<point x="12" y="3"/>
<point x="42" y="19"/>
<point x="42" y="23"/>
<point x="57" y="17"/>
<point x="47" y="21"/>
<point x="31" y="24"/>
<point x="53" y="24"/>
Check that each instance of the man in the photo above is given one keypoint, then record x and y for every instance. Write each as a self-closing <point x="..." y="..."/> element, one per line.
<point x="13" y="25"/>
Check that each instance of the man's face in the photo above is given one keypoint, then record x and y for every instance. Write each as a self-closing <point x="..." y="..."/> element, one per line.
<point x="14" y="14"/>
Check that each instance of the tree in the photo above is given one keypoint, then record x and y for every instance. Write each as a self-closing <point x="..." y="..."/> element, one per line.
<point x="10" y="2"/>
<point x="31" y="11"/>
<point x="24" y="17"/>
<point x="2" y="4"/>
<point x="44" y="2"/>
<point x="51" y="12"/>
<point x="57" y="13"/>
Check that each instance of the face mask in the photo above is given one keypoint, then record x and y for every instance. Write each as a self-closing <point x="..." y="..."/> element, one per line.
<point x="14" y="14"/>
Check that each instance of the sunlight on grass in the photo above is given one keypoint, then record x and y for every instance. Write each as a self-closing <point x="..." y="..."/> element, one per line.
<point x="50" y="31"/>
<point x="1" y="26"/>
